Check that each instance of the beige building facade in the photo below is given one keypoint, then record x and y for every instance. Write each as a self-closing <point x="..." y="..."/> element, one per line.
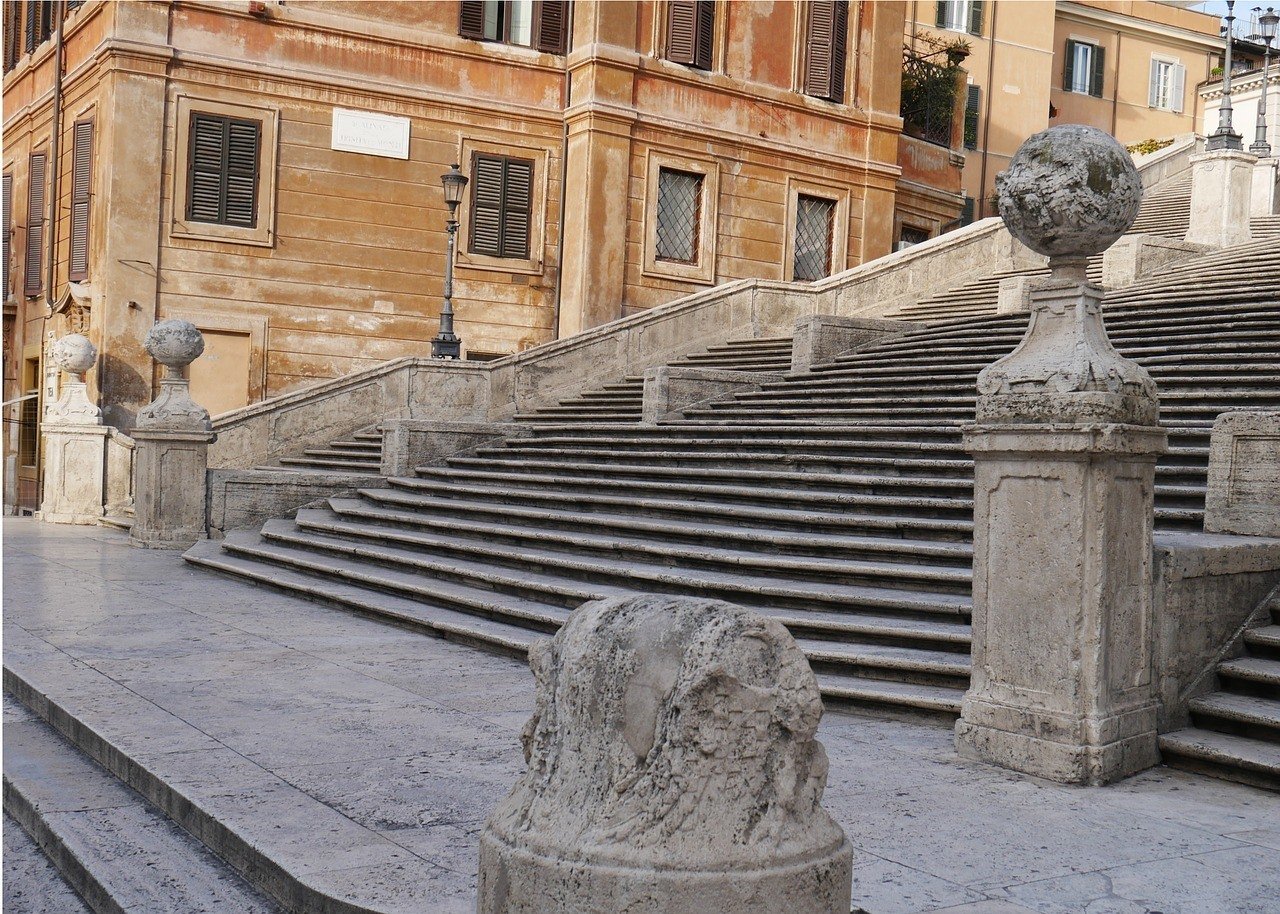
<point x="1129" y="67"/>
<point x="270" y="171"/>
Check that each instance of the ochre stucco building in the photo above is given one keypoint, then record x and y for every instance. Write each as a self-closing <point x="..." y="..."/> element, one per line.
<point x="270" y="171"/>
<point x="1129" y="67"/>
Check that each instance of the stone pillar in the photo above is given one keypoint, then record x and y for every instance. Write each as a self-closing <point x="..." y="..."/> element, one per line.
<point x="1244" y="474"/>
<point x="1014" y="295"/>
<point x="74" y="440"/>
<point x="686" y="778"/>
<point x="1064" y="463"/>
<point x="171" y="453"/>
<point x="1138" y="256"/>
<point x="1221" y="182"/>
<point x="1264" y="199"/>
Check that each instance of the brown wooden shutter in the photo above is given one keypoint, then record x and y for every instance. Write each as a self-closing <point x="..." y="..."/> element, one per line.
<point x="32" y="13"/>
<point x="33" y="274"/>
<point x="8" y="231"/>
<point x="471" y="19"/>
<point x="12" y="35"/>
<point x="81" y="175"/>
<point x="839" y="49"/>
<point x="553" y="26"/>
<point x="486" y="205"/>
<point x="681" y="27"/>
<point x="1096" y="78"/>
<point x="517" y="204"/>
<point x="705" y="36"/>
<point x="827" y="40"/>
<point x="223" y="159"/>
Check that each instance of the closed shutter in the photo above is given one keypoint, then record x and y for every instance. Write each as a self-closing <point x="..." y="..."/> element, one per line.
<point x="975" y="17"/>
<point x="501" y="206"/>
<point x="81" y="177"/>
<point x="972" y="109"/>
<point x="1095" y="82"/>
<point x="12" y="35"/>
<point x="1068" y="70"/>
<point x="1179" y="87"/>
<point x="222" y="184"/>
<point x="33" y="275"/>
<point x="940" y="12"/>
<point x="471" y="19"/>
<point x="8" y="231"/>
<point x="32" y="13"/>
<point x="553" y="26"/>
<point x="826" y="48"/>
<point x="691" y="26"/>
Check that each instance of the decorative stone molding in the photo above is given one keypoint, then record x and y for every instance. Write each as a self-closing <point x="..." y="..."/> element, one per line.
<point x="1244" y="475"/>
<point x="175" y="344"/>
<point x="672" y="768"/>
<point x="73" y="355"/>
<point x="1064" y="468"/>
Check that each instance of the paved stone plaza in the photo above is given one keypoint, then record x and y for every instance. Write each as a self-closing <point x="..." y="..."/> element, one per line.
<point x="374" y="754"/>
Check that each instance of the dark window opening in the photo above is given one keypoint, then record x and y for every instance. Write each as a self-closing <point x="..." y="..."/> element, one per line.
<point x="543" y="24"/>
<point x="815" y="227"/>
<point x="222" y="170"/>
<point x="679" y="213"/>
<point x="501" y="206"/>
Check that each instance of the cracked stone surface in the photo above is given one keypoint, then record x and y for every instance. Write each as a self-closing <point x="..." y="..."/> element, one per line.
<point x="382" y="752"/>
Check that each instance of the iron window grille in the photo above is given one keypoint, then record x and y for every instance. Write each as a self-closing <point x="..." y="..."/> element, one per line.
<point x="679" y="215"/>
<point x="815" y="226"/>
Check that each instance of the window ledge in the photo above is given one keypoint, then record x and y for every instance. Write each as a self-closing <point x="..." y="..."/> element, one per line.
<point x="227" y="234"/>
<point x="468" y="261"/>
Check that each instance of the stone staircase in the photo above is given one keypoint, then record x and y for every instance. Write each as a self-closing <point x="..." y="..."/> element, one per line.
<point x="837" y="500"/>
<point x="360" y="453"/>
<point x="1235" y="732"/>
<point x="1166" y="210"/>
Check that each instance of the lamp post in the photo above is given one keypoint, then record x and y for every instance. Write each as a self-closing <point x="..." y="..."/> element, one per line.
<point x="1225" y="137"/>
<point x="447" y="344"/>
<point x="1266" y="33"/>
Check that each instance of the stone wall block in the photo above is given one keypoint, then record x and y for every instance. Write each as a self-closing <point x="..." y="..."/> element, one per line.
<point x="1244" y="474"/>
<point x="672" y="768"/>
<point x="411" y="443"/>
<point x="1136" y="257"/>
<point x="1264" y="197"/>
<point x="1221" y="185"/>
<point x="1014" y="295"/>
<point x="821" y="337"/>
<point x="169" y="487"/>
<point x="670" y="390"/>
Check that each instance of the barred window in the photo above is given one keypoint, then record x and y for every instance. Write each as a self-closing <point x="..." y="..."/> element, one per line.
<point x="815" y="224"/>
<point x="679" y="215"/>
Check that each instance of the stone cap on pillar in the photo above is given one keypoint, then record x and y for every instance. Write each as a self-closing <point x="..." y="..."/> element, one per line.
<point x="175" y="344"/>
<point x="73" y="355"/>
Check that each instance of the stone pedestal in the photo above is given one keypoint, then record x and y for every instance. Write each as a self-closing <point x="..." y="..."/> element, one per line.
<point x="1014" y="296"/>
<point x="672" y="769"/>
<point x="169" y="487"/>
<point x="73" y="472"/>
<point x="1244" y="475"/>
<point x="820" y="338"/>
<point x="1062" y="681"/>
<point x="671" y="389"/>
<point x="1221" y="183"/>
<point x="1264" y="199"/>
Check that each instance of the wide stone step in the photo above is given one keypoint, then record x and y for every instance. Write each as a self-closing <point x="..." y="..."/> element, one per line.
<point x="112" y="846"/>
<point x="1243" y="715"/>
<point x="1223" y="755"/>
<point x="1264" y="641"/>
<point x="363" y="456"/>
<point x="879" y="694"/>
<point x="1259" y="675"/>
<point x="590" y="558"/>
<point x="329" y="463"/>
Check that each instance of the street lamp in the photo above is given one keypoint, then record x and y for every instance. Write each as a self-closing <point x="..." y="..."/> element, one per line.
<point x="1266" y="33"/>
<point x="447" y="344"/>
<point x="1225" y="137"/>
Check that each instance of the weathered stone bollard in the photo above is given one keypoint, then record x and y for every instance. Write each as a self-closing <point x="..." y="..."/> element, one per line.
<point x="1221" y="187"/>
<point x="1064" y="463"/>
<point x="172" y="439"/>
<point x="1244" y="474"/>
<point x="672" y="769"/>
<point x="74" y="440"/>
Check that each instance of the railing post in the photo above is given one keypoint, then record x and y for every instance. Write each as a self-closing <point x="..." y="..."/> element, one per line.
<point x="74" y="440"/>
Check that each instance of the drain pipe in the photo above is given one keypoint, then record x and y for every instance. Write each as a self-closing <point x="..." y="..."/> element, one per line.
<point x="50" y="272"/>
<point x="986" y="121"/>
<point x="564" y="174"/>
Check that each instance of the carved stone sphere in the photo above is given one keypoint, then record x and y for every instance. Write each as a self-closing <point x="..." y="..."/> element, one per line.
<point x="73" y="353"/>
<point x="1070" y="191"/>
<point x="174" y="343"/>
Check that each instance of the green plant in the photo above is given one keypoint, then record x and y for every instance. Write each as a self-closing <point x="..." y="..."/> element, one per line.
<point x="1146" y="147"/>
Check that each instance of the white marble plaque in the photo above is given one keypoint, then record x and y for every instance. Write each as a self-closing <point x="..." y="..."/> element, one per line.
<point x="370" y="133"/>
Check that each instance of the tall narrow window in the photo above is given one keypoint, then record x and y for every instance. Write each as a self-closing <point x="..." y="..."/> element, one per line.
<point x="81" y="179"/>
<point x="222" y="170"/>
<point x="39" y="23"/>
<point x="972" y="109"/>
<point x="815" y="224"/>
<point x="960" y="16"/>
<point x="29" y="418"/>
<point x="12" y="35"/>
<point x="1083" y="71"/>
<point x="679" y="212"/>
<point x="544" y="25"/>
<point x="691" y="26"/>
<point x="1168" y="84"/>
<point x="8" y="231"/>
<point x="501" y="206"/>
<point x="33" y="272"/>
<point x="826" y="43"/>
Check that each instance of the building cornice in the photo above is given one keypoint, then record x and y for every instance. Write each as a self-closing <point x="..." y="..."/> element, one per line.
<point x="1247" y="82"/>
<point x="1094" y="16"/>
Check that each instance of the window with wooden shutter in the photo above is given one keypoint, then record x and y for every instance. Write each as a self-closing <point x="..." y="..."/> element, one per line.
<point x="679" y="210"/>
<point x="33" y="272"/>
<point x="81" y="180"/>
<point x="12" y="35"/>
<point x="501" y="206"/>
<point x="8" y="231"/>
<point x="30" y="25"/>
<point x="815" y="225"/>
<point x="975" y="17"/>
<point x="826" y="43"/>
<point x="222" y="170"/>
<point x="972" y="109"/>
<point x="542" y="24"/>
<point x="1096" y="76"/>
<point x="1083" y="68"/>
<point x="691" y="32"/>
<point x="553" y="26"/>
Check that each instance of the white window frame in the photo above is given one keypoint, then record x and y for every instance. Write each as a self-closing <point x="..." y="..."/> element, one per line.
<point x="1168" y="84"/>
<point x="1082" y="77"/>
<point x="958" y="15"/>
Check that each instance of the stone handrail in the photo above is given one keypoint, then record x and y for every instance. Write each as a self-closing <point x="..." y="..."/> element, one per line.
<point x="1171" y="162"/>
